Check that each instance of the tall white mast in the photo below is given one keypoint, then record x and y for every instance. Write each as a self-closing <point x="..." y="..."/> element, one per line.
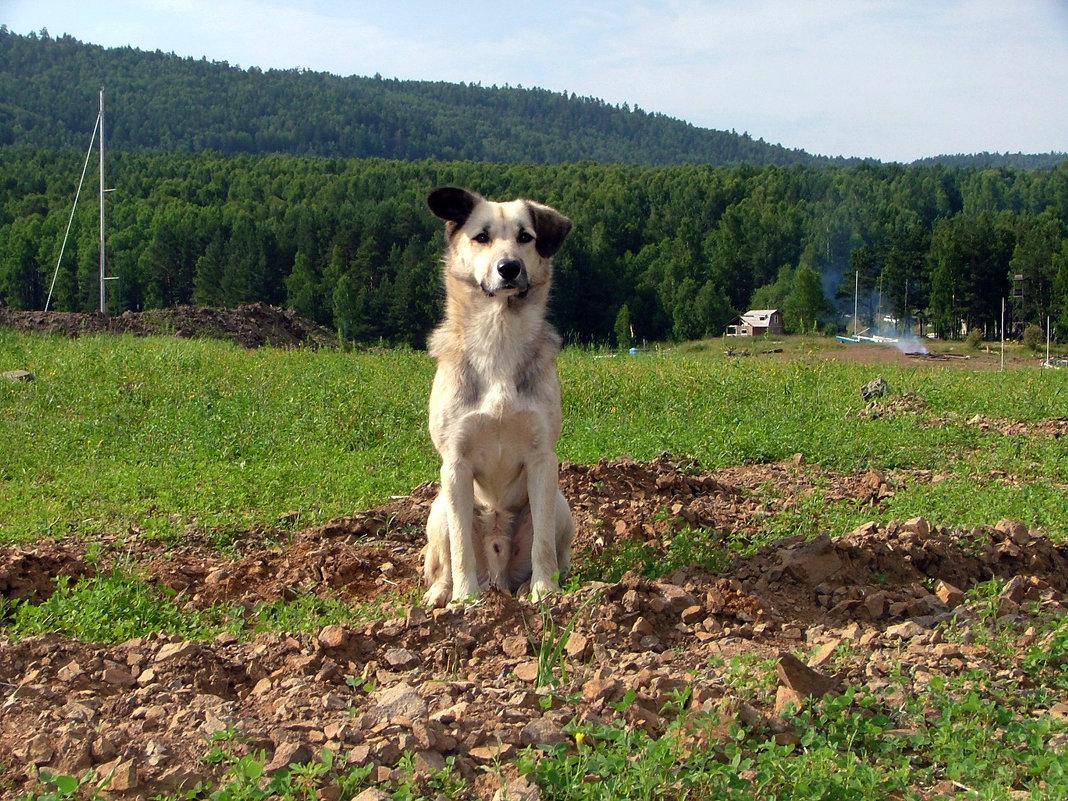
<point x="98" y="128"/>
<point x="103" y="301"/>
<point x="856" y="296"/>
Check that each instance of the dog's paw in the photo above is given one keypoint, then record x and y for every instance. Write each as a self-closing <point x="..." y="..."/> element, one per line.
<point x="465" y="591"/>
<point x="437" y="596"/>
<point x="540" y="590"/>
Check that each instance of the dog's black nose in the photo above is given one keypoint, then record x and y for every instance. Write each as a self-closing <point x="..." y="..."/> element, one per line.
<point x="509" y="269"/>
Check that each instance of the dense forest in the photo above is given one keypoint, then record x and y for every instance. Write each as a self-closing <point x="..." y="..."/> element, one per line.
<point x="156" y="101"/>
<point x="673" y="251"/>
<point x="233" y="186"/>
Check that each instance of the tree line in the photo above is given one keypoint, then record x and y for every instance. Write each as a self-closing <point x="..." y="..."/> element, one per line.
<point x="160" y="101"/>
<point x="670" y="252"/>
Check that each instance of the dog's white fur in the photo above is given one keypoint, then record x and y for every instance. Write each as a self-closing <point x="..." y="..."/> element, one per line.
<point x="500" y="518"/>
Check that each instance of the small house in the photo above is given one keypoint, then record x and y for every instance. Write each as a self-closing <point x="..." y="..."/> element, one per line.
<point x="755" y="322"/>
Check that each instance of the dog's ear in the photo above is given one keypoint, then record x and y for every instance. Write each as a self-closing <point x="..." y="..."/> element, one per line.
<point x="551" y="228"/>
<point x="452" y="204"/>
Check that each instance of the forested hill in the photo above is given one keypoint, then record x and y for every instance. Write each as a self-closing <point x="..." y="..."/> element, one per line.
<point x="156" y="101"/>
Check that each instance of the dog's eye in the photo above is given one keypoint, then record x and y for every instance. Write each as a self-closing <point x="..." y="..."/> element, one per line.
<point x="482" y="238"/>
<point x="524" y="237"/>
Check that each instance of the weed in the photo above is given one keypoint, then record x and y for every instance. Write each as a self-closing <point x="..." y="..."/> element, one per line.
<point x="552" y="669"/>
<point x="683" y="548"/>
<point x="110" y="608"/>
<point x="63" y="787"/>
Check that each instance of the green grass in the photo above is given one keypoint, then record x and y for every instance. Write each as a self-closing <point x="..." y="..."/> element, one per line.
<point x="158" y="434"/>
<point x="118" y="606"/>
<point x="155" y="435"/>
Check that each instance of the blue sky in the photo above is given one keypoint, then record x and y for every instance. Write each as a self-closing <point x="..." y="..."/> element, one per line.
<point x="892" y="79"/>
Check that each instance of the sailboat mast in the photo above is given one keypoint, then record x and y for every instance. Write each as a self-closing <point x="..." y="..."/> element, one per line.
<point x="103" y="301"/>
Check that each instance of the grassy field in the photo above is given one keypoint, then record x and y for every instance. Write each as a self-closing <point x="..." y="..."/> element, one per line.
<point x="155" y="435"/>
<point x="149" y="437"/>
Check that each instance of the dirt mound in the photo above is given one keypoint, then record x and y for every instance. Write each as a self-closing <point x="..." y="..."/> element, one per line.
<point x="252" y="326"/>
<point x="466" y="683"/>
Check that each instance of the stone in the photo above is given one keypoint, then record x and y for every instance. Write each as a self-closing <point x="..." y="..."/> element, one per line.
<point x="1016" y="590"/>
<point x="427" y="763"/>
<point x="578" y="646"/>
<point x="399" y="702"/>
<point x="157" y="753"/>
<point x="824" y="654"/>
<point x="904" y="631"/>
<point x="70" y="672"/>
<point x="521" y="788"/>
<point x="799" y="677"/>
<point x="39" y="750"/>
<point x="75" y="752"/>
<point x="674" y="599"/>
<point x="602" y="689"/>
<point x="18" y="375"/>
<point x="288" y="753"/>
<point x="865" y="530"/>
<point x="493" y="752"/>
<point x="360" y="755"/>
<point x="119" y="776"/>
<point x="176" y="651"/>
<point x="402" y="659"/>
<point x="146" y="677"/>
<point x="103" y="749"/>
<point x="332" y="637"/>
<point x="812" y="562"/>
<point x="184" y="777"/>
<point x="450" y="714"/>
<point x="874" y="389"/>
<point x="643" y="718"/>
<point x="917" y="525"/>
<point x="1015" y="531"/>
<point x="641" y="628"/>
<point x="787" y="699"/>
<point x="516" y="646"/>
<point x="692" y="615"/>
<point x="118" y="676"/>
<point x="542" y="731"/>
<point x="527" y="671"/>
<point x="876" y="605"/>
<point x="948" y="594"/>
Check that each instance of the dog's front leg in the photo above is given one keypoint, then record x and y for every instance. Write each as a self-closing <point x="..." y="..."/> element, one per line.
<point x="543" y="476"/>
<point x="457" y="482"/>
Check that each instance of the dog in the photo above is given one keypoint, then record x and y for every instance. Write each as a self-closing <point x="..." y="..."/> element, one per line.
<point x="499" y="519"/>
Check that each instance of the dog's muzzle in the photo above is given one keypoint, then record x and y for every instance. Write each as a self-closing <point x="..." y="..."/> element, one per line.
<point x="511" y="275"/>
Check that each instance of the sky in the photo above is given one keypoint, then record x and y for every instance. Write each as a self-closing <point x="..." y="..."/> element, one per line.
<point x="894" y="80"/>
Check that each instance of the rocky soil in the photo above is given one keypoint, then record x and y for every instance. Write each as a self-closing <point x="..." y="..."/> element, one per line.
<point x="463" y="682"/>
<point x="253" y="326"/>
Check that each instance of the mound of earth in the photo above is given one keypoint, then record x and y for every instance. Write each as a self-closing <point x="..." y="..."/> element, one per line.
<point x="463" y="682"/>
<point x="252" y="326"/>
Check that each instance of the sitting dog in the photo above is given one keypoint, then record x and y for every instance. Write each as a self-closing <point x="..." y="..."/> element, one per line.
<point x="500" y="518"/>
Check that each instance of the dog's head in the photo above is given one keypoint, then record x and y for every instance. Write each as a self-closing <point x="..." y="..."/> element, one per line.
<point x="501" y="248"/>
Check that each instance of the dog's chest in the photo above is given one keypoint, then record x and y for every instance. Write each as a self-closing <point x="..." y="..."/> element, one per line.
<point x="495" y="426"/>
<point x="499" y="430"/>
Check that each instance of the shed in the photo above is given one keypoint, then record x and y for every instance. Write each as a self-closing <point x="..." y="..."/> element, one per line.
<point x="755" y="322"/>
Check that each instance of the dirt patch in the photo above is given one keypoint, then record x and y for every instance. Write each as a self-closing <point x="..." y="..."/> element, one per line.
<point x="462" y="682"/>
<point x="252" y="326"/>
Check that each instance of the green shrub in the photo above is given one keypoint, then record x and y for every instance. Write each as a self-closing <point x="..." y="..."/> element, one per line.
<point x="1034" y="338"/>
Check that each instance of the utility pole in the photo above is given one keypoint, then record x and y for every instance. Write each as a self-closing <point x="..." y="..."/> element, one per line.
<point x="103" y="297"/>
